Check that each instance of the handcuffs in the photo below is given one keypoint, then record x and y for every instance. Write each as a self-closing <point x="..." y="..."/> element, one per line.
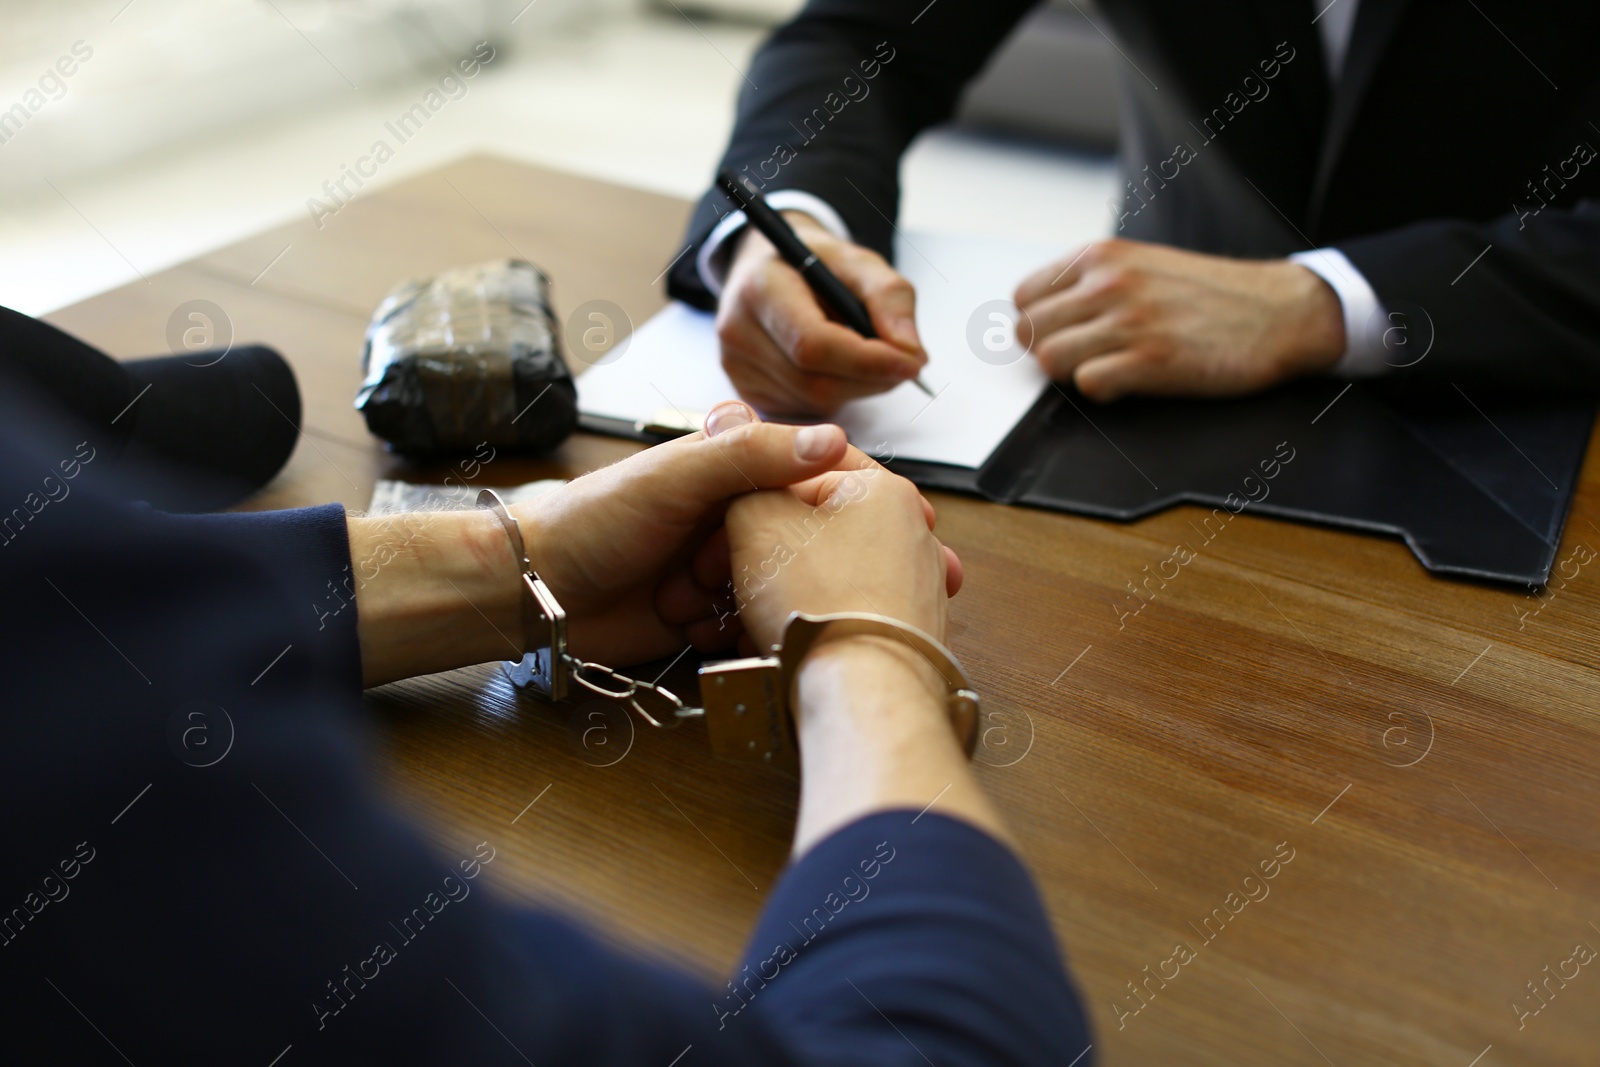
<point x="745" y="702"/>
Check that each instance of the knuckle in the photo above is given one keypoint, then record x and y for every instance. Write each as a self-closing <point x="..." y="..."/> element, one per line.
<point x="1128" y="316"/>
<point x="895" y="286"/>
<point x="1119" y="281"/>
<point x="740" y="438"/>
<point x="1055" y="370"/>
<point x="1056" y="350"/>
<point x="860" y="255"/>
<point x="1154" y="352"/>
<point x="1096" y="253"/>
<point x="1047" y="361"/>
<point x="905" y="488"/>
<point x="1093" y="386"/>
<point x="1109" y="249"/>
<point x="807" y="351"/>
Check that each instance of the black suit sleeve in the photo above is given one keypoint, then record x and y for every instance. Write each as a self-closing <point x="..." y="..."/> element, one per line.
<point x="1512" y="303"/>
<point x="834" y="97"/>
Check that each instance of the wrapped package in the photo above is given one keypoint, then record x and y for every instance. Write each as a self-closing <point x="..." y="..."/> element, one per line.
<point x="471" y="356"/>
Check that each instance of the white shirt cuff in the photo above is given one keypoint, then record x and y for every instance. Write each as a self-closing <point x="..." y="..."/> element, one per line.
<point x="1365" y="322"/>
<point x="712" y="260"/>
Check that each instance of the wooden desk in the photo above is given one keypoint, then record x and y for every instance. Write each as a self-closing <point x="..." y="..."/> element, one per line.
<point x="1429" y="758"/>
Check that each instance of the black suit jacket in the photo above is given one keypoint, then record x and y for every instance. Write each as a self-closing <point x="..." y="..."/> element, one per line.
<point x="1456" y="128"/>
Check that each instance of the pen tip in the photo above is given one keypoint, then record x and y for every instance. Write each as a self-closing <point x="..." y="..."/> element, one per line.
<point x="920" y="384"/>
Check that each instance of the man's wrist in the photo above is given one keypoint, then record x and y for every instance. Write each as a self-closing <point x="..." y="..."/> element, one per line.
<point x="875" y="735"/>
<point x="806" y="227"/>
<point x="715" y="258"/>
<point x="1317" y="335"/>
<point x="493" y="581"/>
<point x="868" y="669"/>
<point x="436" y="590"/>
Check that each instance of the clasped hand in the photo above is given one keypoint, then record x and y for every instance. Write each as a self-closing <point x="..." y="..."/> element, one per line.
<point x="719" y="535"/>
<point x="711" y="540"/>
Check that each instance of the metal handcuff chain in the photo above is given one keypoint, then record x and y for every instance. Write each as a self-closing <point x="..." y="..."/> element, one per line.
<point x="629" y="690"/>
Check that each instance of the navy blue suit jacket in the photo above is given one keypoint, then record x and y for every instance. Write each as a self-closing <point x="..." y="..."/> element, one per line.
<point x="163" y="901"/>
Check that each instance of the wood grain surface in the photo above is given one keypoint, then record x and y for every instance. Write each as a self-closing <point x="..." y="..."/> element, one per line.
<point x="1424" y="749"/>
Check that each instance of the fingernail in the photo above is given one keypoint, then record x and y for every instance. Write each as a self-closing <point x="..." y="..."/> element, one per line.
<point x="814" y="442"/>
<point x="726" y="416"/>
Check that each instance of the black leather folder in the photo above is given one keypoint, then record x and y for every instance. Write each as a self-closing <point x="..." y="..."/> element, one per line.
<point x="1477" y="485"/>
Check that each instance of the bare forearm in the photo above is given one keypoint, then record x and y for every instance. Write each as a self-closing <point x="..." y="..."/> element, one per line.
<point x="874" y="736"/>
<point x="435" y="590"/>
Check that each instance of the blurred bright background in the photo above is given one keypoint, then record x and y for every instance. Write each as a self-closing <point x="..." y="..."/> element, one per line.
<point x="187" y="124"/>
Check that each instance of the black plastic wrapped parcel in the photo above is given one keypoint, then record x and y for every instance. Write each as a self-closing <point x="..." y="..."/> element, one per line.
<point x="468" y="357"/>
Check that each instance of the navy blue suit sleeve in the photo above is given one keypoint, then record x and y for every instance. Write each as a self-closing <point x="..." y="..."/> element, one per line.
<point x="909" y="938"/>
<point x="316" y="575"/>
<point x="198" y="868"/>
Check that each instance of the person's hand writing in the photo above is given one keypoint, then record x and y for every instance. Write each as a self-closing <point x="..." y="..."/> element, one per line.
<point x="1122" y="317"/>
<point x="781" y="350"/>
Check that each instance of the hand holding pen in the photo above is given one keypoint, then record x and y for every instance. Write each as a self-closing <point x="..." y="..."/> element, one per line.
<point x="800" y="338"/>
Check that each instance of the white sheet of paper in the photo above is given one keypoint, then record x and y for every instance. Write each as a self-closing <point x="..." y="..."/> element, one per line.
<point x="964" y="286"/>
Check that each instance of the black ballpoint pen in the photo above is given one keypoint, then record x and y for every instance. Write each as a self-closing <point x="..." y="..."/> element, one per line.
<point x="832" y="293"/>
